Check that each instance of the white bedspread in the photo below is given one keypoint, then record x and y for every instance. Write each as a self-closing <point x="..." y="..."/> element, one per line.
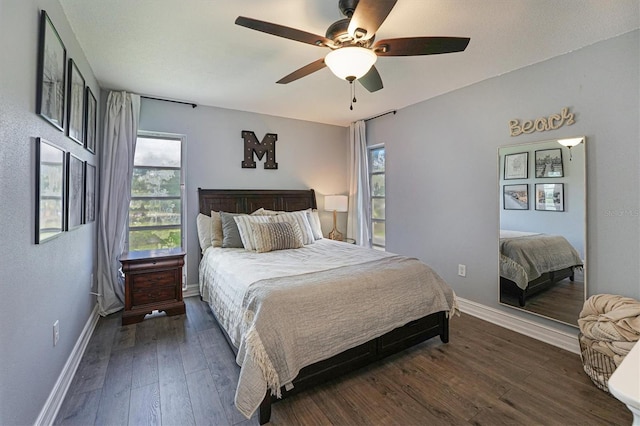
<point x="281" y="309"/>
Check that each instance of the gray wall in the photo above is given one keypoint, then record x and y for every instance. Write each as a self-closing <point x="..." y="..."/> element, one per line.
<point x="309" y="155"/>
<point x="40" y="283"/>
<point x="442" y="163"/>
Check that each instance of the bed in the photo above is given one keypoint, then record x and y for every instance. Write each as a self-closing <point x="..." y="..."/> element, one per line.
<point x="532" y="262"/>
<point x="296" y="318"/>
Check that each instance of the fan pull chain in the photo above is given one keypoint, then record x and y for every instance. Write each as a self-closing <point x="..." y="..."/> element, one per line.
<point x="353" y="93"/>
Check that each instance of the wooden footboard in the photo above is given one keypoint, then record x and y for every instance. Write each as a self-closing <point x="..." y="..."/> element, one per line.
<point x="396" y="340"/>
<point x="392" y="342"/>
<point x="541" y="283"/>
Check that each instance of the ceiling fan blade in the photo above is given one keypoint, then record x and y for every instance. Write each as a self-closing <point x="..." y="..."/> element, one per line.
<point x="303" y="72"/>
<point x="414" y="46"/>
<point x="368" y="17"/>
<point x="371" y="80"/>
<point x="282" y="31"/>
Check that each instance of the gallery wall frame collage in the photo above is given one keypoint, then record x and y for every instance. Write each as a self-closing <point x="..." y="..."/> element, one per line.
<point x="548" y="196"/>
<point x="65" y="184"/>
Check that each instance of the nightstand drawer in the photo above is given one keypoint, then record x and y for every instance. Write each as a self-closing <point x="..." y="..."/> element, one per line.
<point x="154" y="279"/>
<point x="153" y="295"/>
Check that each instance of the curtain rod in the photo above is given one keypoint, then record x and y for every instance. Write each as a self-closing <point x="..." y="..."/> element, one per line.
<point x="381" y="115"/>
<point x="169" y="100"/>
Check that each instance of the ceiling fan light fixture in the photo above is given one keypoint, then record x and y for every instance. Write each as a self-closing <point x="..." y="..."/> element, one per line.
<point x="350" y="63"/>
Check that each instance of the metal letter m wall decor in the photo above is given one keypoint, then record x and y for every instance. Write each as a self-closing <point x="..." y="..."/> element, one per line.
<point x="252" y="146"/>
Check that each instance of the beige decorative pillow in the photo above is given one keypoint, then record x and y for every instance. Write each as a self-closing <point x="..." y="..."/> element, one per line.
<point x="276" y="236"/>
<point x="264" y="212"/>
<point x="244" y="228"/>
<point x="216" y="229"/>
<point x="203" y="223"/>
<point x="299" y="217"/>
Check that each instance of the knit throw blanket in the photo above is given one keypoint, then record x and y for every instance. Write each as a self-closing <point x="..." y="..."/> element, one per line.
<point x="610" y="324"/>
<point x="291" y="322"/>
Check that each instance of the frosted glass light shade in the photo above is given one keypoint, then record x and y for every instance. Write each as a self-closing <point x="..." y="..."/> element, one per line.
<point x="338" y="203"/>
<point x="349" y="63"/>
<point x="570" y="142"/>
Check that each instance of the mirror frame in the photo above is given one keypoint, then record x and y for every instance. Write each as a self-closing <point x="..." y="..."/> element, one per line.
<point x="531" y="180"/>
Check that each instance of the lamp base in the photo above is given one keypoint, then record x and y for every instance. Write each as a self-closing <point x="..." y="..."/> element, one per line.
<point x="336" y="235"/>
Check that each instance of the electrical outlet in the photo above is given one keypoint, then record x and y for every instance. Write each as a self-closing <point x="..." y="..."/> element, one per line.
<point x="56" y="332"/>
<point x="462" y="270"/>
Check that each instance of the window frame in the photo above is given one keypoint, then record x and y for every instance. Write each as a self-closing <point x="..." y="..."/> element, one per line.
<point x="183" y="195"/>
<point x="371" y="173"/>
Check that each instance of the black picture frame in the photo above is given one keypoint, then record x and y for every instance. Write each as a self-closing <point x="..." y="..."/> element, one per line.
<point x="515" y="197"/>
<point x="76" y="102"/>
<point x="549" y="197"/>
<point x="516" y="166"/>
<point x="52" y="68"/>
<point x="549" y="163"/>
<point x="90" y="122"/>
<point x="75" y="192"/>
<point x="89" y="193"/>
<point x="50" y="191"/>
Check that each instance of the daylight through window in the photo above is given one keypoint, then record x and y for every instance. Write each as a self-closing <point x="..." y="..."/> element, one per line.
<point x="377" y="183"/>
<point x="155" y="211"/>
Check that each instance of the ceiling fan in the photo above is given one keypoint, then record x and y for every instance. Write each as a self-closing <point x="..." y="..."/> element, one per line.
<point x="351" y="40"/>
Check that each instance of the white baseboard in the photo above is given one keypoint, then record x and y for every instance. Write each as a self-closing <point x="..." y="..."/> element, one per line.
<point x="50" y="410"/>
<point x="561" y="339"/>
<point x="191" y="290"/>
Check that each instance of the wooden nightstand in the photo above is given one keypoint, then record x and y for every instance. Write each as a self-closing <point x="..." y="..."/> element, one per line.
<point x="153" y="281"/>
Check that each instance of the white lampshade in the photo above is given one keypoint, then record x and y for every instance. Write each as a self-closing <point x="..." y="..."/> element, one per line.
<point x="347" y="62"/>
<point x="338" y="203"/>
<point x="570" y="142"/>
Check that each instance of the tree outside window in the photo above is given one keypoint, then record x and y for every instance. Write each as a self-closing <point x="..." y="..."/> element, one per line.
<point x="377" y="183"/>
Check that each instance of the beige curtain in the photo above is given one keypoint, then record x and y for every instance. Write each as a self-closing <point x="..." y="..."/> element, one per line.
<point x="358" y="219"/>
<point x="116" y="170"/>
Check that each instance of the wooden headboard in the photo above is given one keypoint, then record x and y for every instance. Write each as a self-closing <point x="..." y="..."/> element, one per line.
<point x="250" y="200"/>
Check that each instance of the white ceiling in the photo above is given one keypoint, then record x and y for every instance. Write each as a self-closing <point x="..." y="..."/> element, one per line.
<point x="191" y="50"/>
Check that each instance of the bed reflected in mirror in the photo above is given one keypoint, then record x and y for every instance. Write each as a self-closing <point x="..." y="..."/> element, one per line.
<point x="542" y="191"/>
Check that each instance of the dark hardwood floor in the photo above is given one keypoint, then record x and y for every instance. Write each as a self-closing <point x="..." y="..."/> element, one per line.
<point x="179" y="371"/>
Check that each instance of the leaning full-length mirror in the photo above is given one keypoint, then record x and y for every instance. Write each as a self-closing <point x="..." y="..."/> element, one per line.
<point x="542" y="191"/>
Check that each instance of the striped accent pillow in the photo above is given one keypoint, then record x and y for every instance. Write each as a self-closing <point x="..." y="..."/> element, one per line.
<point x="244" y="228"/>
<point x="276" y="236"/>
<point x="299" y="217"/>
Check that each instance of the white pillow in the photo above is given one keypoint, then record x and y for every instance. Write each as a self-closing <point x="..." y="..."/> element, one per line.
<point x="314" y="221"/>
<point x="299" y="217"/>
<point x="203" y="223"/>
<point x="244" y="228"/>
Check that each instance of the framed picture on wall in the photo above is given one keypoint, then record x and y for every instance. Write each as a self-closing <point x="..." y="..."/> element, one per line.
<point x="549" y="163"/>
<point x="515" y="197"/>
<point x="76" y="98"/>
<point x="52" y="59"/>
<point x="550" y="197"/>
<point x="50" y="191"/>
<point x="516" y="166"/>
<point x="90" y="128"/>
<point x="89" y="193"/>
<point x="75" y="191"/>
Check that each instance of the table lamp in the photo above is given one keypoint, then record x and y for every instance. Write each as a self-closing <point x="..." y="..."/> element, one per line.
<point x="336" y="203"/>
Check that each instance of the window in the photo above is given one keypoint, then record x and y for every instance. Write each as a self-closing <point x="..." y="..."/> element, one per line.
<point x="377" y="182"/>
<point x="156" y="208"/>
